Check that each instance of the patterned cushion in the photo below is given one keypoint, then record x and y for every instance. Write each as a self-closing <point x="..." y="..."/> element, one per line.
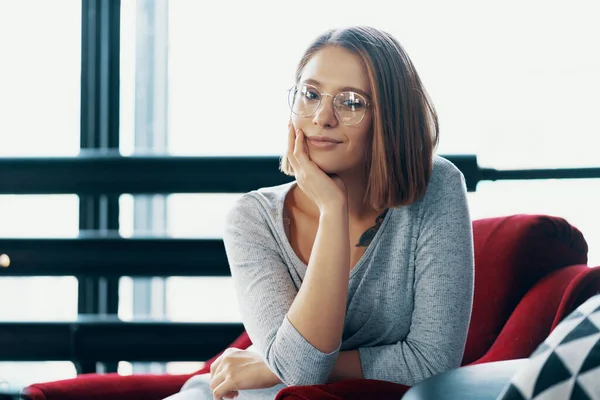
<point x="567" y="364"/>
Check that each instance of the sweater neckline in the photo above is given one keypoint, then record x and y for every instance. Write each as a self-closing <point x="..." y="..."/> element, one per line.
<point x="283" y="222"/>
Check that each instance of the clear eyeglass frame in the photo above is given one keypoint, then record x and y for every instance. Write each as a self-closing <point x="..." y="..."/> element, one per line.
<point x="352" y="119"/>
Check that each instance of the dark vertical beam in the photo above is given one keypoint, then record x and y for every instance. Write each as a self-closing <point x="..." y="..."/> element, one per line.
<point x="100" y="69"/>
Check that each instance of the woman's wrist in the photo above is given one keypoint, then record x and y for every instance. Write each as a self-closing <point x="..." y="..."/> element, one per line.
<point x="270" y="375"/>
<point x="335" y="208"/>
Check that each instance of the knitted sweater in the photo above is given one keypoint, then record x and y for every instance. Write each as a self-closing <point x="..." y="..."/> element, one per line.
<point x="409" y="296"/>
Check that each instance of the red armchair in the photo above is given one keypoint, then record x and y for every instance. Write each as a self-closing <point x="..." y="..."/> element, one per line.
<point x="530" y="272"/>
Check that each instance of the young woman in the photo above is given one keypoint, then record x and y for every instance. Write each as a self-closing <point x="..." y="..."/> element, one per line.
<point x="363" y="266"/>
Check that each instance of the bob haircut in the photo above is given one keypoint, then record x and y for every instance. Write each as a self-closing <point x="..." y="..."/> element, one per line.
<point x="405" y="124"/>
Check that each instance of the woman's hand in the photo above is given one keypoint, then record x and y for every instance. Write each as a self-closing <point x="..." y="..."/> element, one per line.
<point x="237" y="370"/>
<point x="323" y="189"/>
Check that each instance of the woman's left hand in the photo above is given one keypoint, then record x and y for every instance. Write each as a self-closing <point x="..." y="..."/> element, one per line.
<point x="237" y="370"/>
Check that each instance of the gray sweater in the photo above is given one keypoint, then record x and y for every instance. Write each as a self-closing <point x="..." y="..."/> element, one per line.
<point x="409" y="296"/>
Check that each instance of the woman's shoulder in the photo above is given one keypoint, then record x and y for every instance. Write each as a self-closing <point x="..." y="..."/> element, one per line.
<point x="265" y="201"/>
<point x="443" y="169"/>
<point x="446" y="181"/>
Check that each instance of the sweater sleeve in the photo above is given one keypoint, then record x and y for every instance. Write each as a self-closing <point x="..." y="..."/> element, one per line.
<point x="265" y="291"/>
<point x="443" y="289"/>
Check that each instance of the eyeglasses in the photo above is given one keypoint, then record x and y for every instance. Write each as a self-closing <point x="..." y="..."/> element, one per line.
<point x="349" y="107"/>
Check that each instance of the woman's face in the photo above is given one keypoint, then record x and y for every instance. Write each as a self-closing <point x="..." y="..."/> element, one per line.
<point x="333" y="70"/>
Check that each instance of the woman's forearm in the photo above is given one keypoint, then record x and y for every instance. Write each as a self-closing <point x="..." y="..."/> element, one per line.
<point x="319" y="309"/>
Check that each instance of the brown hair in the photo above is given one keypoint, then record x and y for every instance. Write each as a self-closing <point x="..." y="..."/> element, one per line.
<point x="405" y="123"/>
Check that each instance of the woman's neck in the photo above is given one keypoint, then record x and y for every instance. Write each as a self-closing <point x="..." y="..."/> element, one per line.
<point x="356" y="187"/>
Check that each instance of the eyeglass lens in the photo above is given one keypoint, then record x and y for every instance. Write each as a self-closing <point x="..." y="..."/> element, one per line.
<point x="349" y="107"/>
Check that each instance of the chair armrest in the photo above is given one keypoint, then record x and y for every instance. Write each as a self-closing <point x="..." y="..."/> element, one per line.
<point x="110" y="386"/>
<point x="540" y="311"/>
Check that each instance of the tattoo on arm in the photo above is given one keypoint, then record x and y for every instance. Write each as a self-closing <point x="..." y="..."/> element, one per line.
<point x="367" y="237"/>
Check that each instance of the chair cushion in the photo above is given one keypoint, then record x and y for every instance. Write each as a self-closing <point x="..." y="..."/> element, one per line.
<point x="512" y="254"/>
<point x="567" y="364"/>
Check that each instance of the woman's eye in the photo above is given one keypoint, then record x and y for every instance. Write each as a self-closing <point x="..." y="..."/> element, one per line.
<point x="311" y="95"/>
<point x="353" y="104"/>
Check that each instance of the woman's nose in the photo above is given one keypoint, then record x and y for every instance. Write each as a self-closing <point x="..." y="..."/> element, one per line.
<point x="325" y="114"/>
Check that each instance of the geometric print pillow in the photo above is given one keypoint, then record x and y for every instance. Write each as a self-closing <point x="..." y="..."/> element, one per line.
<point x="567" y="364"/>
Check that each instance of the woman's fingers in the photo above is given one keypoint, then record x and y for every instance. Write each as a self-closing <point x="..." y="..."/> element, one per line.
<point x="222" y="388"/>
<point x="305" y="143"/>
<point x="217" y="381"/>
<point x="291" y="137"/>
<point x="298" y="154"/>
<point x="300" y="148"/>
<point x="215" y="366"/>
<point x="291" y="145"/>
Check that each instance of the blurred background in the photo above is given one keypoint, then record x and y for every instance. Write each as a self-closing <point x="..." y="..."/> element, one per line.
<point x="516" y="83"/>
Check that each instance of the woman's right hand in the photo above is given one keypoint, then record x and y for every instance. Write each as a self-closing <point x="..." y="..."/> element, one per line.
<point x="324" y="190"/>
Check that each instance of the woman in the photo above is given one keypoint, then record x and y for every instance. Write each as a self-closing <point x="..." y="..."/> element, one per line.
<point x="363" y="266"/>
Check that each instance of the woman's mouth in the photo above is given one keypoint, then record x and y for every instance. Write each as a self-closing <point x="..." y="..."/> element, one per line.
<point x="322" y="142"/>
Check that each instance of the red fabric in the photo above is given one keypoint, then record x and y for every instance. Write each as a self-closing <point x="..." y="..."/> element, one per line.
<point x="109" y="386"/>
<point x="511" y="255"/>
<point x="540" y="311"/>
<point x="351" y="389"/>
<point x="530" y="273"/>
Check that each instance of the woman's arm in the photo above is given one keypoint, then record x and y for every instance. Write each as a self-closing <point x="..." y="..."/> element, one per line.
<point x="319" y="309"/>
<point x="443" y="288"/>
<point x="347" y="366"/>
<point x="265" y="293"/>
<point x="302" y="329"/>
<point x="443" y="296"/>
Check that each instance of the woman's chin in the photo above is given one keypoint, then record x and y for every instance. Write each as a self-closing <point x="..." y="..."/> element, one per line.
<point x="328" y="167"/>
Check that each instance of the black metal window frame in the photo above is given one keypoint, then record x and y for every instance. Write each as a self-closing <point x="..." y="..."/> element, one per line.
<point x="99" y="130"/>
<point x="99" y="256"/>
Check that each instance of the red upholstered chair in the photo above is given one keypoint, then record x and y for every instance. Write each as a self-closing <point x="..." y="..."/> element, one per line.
<point x="530" y="272"/>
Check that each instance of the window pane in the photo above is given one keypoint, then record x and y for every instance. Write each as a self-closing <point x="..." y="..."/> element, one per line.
<point x="40" y="77"/>
<point x="202" y="300"/>
<point x="198" y="215"/>
<point x="39" y="216"/>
